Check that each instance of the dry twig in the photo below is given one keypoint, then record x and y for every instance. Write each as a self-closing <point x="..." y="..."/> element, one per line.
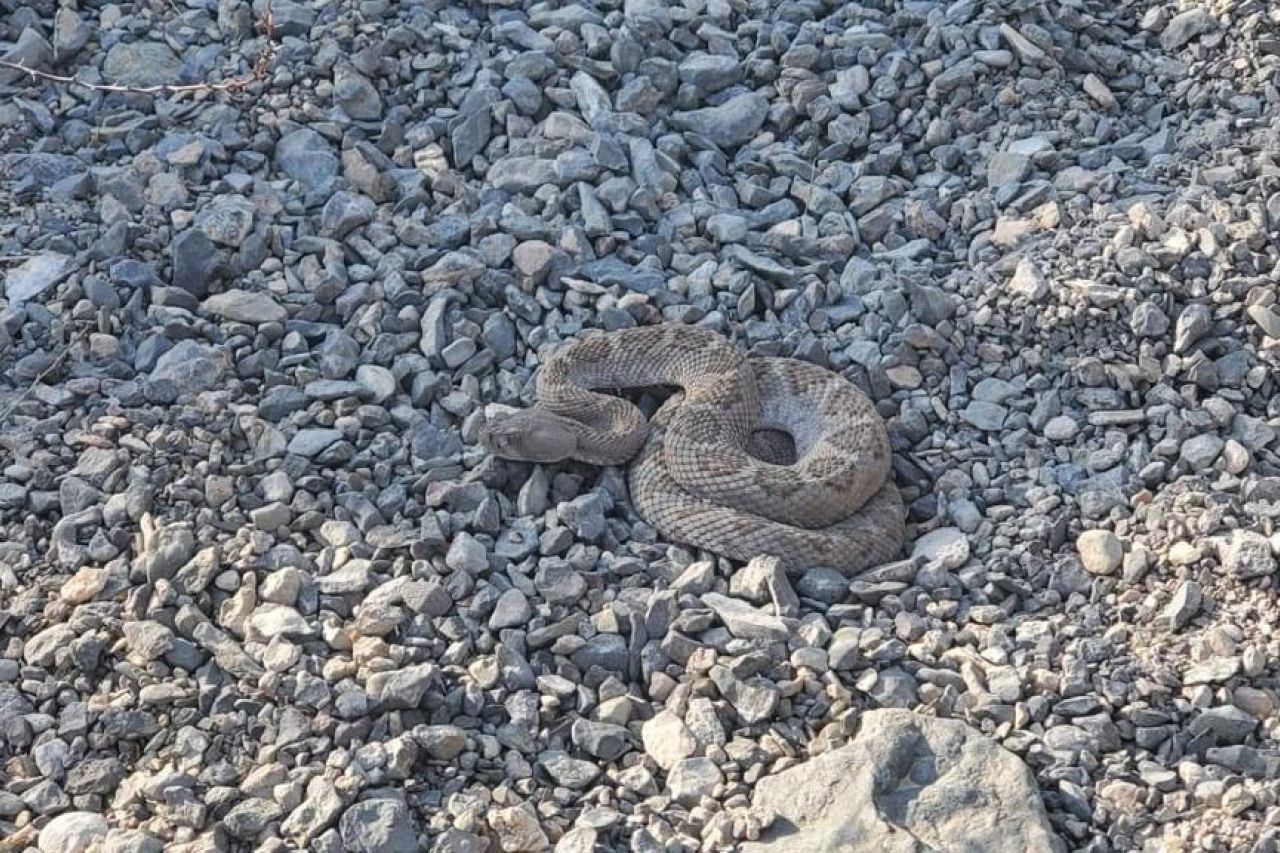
<point x="259" y="72"/>
<point x="76" y="337"/>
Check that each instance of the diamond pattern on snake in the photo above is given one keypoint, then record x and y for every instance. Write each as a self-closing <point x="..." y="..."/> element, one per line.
<point x="702" y="470"/>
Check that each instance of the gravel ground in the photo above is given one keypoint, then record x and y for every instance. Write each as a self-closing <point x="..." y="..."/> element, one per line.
<point x="262" y="589"/>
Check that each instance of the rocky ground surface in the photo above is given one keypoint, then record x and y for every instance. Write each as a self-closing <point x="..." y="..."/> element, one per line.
<point x="262" y="589"/>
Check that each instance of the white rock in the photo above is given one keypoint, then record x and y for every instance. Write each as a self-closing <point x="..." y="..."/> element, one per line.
<point x="517" y="830"/>
<point x="691" y="779"/>
<point x="946" y="548"/>
<point x="72" y="832"/>
<point x="1061" y="428"/>
<point x="906" y="782"/>
<point x="35" y="276"/>
<point x="1028" y="280"/>
<point x="273" y="620"/>
<point x="1100" y="551"/>
<point x="667" y="739"/>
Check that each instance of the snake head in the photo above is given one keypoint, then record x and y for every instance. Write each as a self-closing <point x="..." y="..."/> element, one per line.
<point x="531" y="435"/>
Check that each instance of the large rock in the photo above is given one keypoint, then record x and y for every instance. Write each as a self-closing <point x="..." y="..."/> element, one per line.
<point x="378" y="826"/>
<point x="730" y="124"/>
<point x="245" y="306"/>
<point x="36" y="276"/>
<point x="306" y="156"/>
<point x="187" y="368"/>
<point x="906" y="784"/>
<point x="142" y="64"/>
<point x="72" y="832"/>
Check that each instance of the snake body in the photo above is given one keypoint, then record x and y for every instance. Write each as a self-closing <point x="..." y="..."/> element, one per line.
<point x="699" y="472"/>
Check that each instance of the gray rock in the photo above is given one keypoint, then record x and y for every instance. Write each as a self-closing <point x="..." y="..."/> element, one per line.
<point x="226" y="220"/>
<point x="196" y="262"/>
<point x="986" y="416"/>
<point x="187" y="369"/>
<point x="1028" y="280"/>
<point x="401" y="688"/>
<point x="1215" y="670"/>
<point x="467" y="554"/>
<point x="1183" y="27"/>
<point x="248" y="818"/>
<point x="946" y="548"/>
<point x="691" y="779"/>
<point x="667" y="740"/>
<point x="521" y="174"/>
<point x="1201" y="451"/>
<point x="746" y="621"/>
<point x="457" y="841"/>
<point x="512" y="609"/>
<point x="1248" y="554"/>
<point x="727" y="227"/>
<point x="344" y="212"/>
<point x="70" y="33"/>
<point x="441" y="742"/>
<point x="1184" y="605"/>
<point x="311" y="441"/>
<point x="245" y="306"/>
<point x="31" y="50"/>
<point x="708" y="73"/>
<point x="337" y="355"/>
<point x="607" y="651"/>
<point x="1227" y="723"/>
<point x="129" y="841"/>
<point x="291" y="18"/>
<point x="1007" y="167"/>
<point x="1194" y="323"/>
<point x="605" y="741"/>
<point x="33" y="277"/>
<point x="730" y="124"/>
<point x="470" y="135"/>
<point x="318" y="811"/>
<point x="306" y="156"/>
<point x="378" y="826"/>
<point x="142" y="64"/>
<point x="934" y="782"/>
<point x="1268" y="319"/>
<point x="1149" y="321"/>
<point x="356" y="94"/>
<point x="572" y="773"/>
<point x="754" y="700"/>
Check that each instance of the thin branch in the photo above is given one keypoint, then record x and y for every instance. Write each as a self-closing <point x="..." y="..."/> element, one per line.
<point x="259" y="72"/>
<point x="53" y="365"/>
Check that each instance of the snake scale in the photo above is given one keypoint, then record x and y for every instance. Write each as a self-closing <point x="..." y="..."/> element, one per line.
<point x="703" y="471"/>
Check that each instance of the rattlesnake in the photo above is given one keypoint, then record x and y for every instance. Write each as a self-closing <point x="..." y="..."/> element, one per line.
<point x="704" y="470"/>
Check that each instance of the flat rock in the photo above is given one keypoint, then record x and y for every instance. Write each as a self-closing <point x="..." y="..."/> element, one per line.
<point x="245" y="306"/>
<point x="72" y="832"/>
<point x="306" y="156"/>
<point x="378" y="826"/>
<point x="906" y="782"/>
<point x="142" y="64"/>
<point x="667" y="739"/>
<point x="187" y="368"/>
<point x="730" y="124"/>
<point x="35" y="276"/>
<point x="1183" y="27"/>
<point x="745" y="621"/>
<point x="946" y="547"/>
